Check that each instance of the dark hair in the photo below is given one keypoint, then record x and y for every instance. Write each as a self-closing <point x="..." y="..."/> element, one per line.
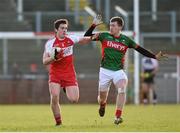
<point x="117" y="19"/>
<point x="60" y="21"/>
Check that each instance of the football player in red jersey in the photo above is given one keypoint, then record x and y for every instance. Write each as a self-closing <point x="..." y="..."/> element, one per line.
<point x="58" y="55"/>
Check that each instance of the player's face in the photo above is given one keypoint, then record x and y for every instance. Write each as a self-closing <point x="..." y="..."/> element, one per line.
<point x="62" y="30"/>
<point x="115" y="28"/>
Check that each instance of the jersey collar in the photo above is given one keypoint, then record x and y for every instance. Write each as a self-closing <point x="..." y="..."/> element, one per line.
<point x="116" y="36"/>
<point x="59" y="40"/>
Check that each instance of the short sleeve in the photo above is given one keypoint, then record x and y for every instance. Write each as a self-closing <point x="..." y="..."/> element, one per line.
<point x="47" y="48"/>
<point x="75" y="38"/>
<point x="49" y="45"/>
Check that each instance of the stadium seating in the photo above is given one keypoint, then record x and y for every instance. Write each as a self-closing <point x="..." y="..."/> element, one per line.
<point x="44" y="5"/>
<point x="8" y="18"/>
<point x="56" y="6"/>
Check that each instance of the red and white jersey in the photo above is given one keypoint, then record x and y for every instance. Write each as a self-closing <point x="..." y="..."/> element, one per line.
<point x="65" y="65"/>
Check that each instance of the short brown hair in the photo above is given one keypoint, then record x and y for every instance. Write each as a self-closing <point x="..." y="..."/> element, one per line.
<point x="117" y="19"/>
<point x="60" y="21"/>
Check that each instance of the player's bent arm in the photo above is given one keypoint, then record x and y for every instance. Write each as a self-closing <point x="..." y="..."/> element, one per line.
<point x="90" y="30"/>
<point x="47" y="59"/>
<point x="56" y="54"/>
<point x="94" y="37"/>
<point x="84" y="40"/>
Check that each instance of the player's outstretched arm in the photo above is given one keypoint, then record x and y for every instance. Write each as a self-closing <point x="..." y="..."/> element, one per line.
<point x="85" y="40"/>
<point x="97" y="21"/>
<point x="159" y="56"/>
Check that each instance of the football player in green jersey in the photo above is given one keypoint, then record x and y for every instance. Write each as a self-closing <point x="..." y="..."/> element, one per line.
<point x="114" y="47"/>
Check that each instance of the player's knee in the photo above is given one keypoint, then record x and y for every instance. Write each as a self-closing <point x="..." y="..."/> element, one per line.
<point x="54" y="93"/>
<point x="98" y="99"/>
<point x="121" y="83"/>
<point x="121" y="90"/>
<point x="74" y="99"/>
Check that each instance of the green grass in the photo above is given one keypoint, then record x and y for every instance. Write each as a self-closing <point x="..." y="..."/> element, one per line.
<point x="81" y="117"/>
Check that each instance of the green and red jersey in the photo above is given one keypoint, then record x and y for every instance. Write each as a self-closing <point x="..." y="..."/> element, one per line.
<point x="114" y="49"/>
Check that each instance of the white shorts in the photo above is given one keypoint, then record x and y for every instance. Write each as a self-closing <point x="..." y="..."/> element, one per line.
<point x="106" y="77"/>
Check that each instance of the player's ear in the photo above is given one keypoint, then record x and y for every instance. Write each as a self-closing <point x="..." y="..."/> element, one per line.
<point x="55" y="30"/>
<point x="120" y="27"/>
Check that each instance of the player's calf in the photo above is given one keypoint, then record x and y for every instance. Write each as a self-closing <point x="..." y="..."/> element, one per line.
<point x="101" y="111"/>
<point x="121" y="98"/>
<point x="102" y="106"/>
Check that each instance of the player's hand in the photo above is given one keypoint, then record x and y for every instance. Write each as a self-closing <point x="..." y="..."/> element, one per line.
<point x="54" y="53"/>
<point x="60" y="55"/>
<point x="97" y="20"/>
<point x="161" y="56"/>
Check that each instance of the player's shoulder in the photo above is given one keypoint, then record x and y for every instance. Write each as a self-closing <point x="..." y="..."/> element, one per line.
<point x="73" y="37"/>
<point x="49" y="44"/>
<point x="124" y="36"/>
<point x="105" y="33"/>
<point x="50" y="41"/>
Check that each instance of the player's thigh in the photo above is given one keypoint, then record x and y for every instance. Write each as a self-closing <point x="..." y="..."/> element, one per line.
<point x="105" y="80"/>
<point x="145" y="87"/>
<point x="151" y="86"/>
<point x="72" y="93"/>
<point x="120" y="79"/>
<point x="54" y="88"/>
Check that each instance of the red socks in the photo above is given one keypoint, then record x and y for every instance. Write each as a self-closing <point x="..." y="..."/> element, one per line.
<point x="103" y="104"/>
<point x="118" y="113"/>
<point x="58" y="119"/>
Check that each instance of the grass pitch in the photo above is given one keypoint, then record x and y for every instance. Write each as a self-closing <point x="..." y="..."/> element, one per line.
<point x="81" y="117"/>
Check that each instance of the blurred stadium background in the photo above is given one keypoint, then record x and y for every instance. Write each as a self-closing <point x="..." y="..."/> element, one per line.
<point x="25" y="25"/>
